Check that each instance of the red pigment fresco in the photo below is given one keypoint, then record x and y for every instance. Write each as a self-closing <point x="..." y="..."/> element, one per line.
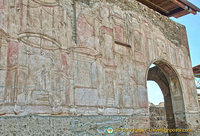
<point x="142" y="98"/>
<point x="107" y="30"/>
<point x="119" y="33"/>
<point x="2" y="4"/>
<point x="85" y="31"/>
<point x="12" y="53"/>
<point x="64" y="62"/>
<point x="168" y="70"/>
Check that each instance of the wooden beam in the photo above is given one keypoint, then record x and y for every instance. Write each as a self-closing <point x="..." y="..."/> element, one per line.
<point x="175" y="11"/>
<point x="123" y="44"/>
<point x="184" y="6"/>
<point x="190" y="5"/>
<point x="196" y="71"/>
<point x="196" y="67"/>
<point x="154" y="6"/>
<point x="180" y="14"/>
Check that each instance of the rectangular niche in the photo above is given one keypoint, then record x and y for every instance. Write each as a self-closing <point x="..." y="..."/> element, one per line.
<point x="85" y="71"/>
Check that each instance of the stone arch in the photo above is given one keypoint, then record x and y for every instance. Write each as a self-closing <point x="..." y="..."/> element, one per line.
<point x="168" y="80"/>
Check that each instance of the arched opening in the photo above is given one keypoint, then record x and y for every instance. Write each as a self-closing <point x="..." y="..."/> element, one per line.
<point x="156" y="106"/>
<point x="168" y="81"/>
<point x="155" y="95"/>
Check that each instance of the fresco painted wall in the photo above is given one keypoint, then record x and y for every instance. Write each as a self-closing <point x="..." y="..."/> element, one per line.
<point x="65" y="58"/>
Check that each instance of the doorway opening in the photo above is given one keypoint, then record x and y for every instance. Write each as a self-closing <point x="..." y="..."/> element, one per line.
<point x="156" y="106"/>
<point x="172" y="113"/>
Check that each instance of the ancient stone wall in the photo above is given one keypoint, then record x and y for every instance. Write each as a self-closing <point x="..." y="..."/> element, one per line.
<point x="158" y="117"/>
<point x="88" y="58"/>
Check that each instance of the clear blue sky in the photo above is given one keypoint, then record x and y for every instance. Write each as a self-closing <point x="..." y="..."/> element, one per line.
<point x="192" y="24"/>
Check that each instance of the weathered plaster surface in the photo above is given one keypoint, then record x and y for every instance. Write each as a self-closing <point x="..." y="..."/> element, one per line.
<point x="61" y="58"/>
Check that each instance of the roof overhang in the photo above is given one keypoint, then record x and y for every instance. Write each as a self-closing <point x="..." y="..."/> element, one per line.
<point x="196" y="71"/>
<point x="171" y="8"/>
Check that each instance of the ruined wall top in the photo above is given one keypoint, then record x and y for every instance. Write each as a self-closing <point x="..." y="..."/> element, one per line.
<point x="172" y="30"/>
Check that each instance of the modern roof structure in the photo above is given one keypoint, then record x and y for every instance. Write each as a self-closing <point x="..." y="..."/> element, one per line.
<point x="171" y="8"/>
<point x="196" y="71"/>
